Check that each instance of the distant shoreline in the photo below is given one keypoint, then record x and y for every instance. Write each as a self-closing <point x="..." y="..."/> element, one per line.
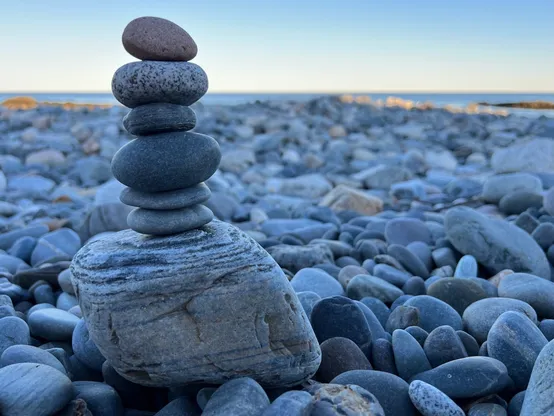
<point x="530" y="105"/>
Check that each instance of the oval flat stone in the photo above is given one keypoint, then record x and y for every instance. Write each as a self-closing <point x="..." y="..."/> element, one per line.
<point x="458" y="293"/>
<point x="402" y="317"/>
<point x="404" y="231"/>
<point x="85" y="349"/>
<point x="147" y="82"/>
<point x="468" y="377"/>
<point x="466" y="267"/>
<point x="158" y="222"/>
<point x="308" y="299"/>
<point x="292" y="403"/>
<point x="179" y="198"/>
<point x="317" y="281"/>
<point x="516" y="341"/>
<point x="33" y="389"/>
<point x="390" y="274"/>
<point x="239" y="396"/>
<point x="156" y="39"/>
<point x="377" y="330"/>
<point x="339" y="355"/>
<point x="29" y="354"/>
<point x="443" y="345"/>
<point x="167" y="161"/>
<point x="470" y="343"/>
<point x="390" y="390"/>
<point x="52" y="324"/>
<point x="101" y="398"/>
<point x="159" y="118"/>
<point x="365" y="285"/>
<point x="409" y="260"/>
<point x="539" y="396"/>
<point x="514" y="408"/>
<point x="430" y="401"/>
<point x="382" y="356"/>
<point x="192" y="333"/>
<point x="537" y="292"/>
<point x="409" y="357"/>
<point x="434" y="313"/>
<point x="379" y="309"/>
<point x="13" y="331"/>
<point x="479" y="317"/>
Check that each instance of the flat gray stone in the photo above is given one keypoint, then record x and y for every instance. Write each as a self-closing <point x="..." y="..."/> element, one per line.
<point x="146" y="82"/>
<point x="29" y="354"/>
<point x="498" y="186"/>
<point x="539" y="396"/>
<point x="496" y="244"/>
<point x="166" y="161"/>
<point x="537" y="292"/>
<point x="52" y="324"/>
<point x="159" y="118"/>
<point x="317" y="281"/>
<point x="179" y="198"/>
<point x="157" y="222"/>
<point x="365" y="285"/>
<point x="223" y="307"/>
<point x="430" y="401"/>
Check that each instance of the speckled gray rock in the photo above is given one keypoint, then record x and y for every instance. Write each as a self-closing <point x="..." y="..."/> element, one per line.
<point x="33" y="389"/>
<point x="146" y="82"/>
<point x="291" y="403"/>
<point x="159" y="118"/>
<point x="430" y="401"/>
<point x="202" y="277"/>
<point x="348" y="400"/>
<point x="166" y="161"/>
<point x="468" y="377"/>
<point x="158" y="222"/>
<point x="179" y="198"/>
<point x="537" y="292"/>
<point x="539" y="396"/>
<point x="516" y="341"/>
<point x="242" y="396"/>
<point x="496" y="244"/>
<point x="390" y="390"/>
<point x="365" y="285"/>
<point x="480" y="316"/>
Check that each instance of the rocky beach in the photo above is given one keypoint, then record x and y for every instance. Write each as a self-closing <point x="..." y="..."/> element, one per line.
<point x="401" y="256"/>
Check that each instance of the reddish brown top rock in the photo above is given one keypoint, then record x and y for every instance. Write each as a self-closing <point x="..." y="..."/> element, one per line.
<point x="157" y="39"/>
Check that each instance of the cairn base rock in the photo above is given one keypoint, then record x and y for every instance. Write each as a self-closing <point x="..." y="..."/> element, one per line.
<point x="207" y="305"/>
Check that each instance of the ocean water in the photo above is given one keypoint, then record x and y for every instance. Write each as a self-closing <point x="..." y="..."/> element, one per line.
<point x="438" y="99"/>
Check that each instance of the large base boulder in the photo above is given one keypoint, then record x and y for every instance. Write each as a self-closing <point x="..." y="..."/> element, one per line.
<point x="207" y="305"/>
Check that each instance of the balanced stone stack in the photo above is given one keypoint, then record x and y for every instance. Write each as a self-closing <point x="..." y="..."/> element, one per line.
<point x="164" y="168"/>
<point x="204" y="303"/>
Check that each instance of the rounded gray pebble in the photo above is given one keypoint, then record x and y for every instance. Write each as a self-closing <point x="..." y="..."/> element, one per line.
<point x="159" y="118"/>
<point x="156" y="222"/>
<point x="180" y="198"/>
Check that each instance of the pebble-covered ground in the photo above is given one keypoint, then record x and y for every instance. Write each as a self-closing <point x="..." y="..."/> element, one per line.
<point x="420" y="243"/>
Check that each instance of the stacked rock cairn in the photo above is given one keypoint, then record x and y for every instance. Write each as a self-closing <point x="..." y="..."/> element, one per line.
<point x="165" y="166"/>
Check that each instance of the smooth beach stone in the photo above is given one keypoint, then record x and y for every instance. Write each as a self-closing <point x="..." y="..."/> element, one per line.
<point x="242" y="396"/>
<point x="506" y="246"/>
<point x="193" y="333"/>
<point x="52" y="324"/>
<point x="409" y="260"/>
<point x="290" y="403"/>
<point x="101" y="398"/>
<point x="518" y="201"/>
<point x="415" y="286"/>
<point x="402" y="317"/>
<point x="537" y="292"/>
<point x="339" y="355"/>
<point x="423" y="251"/>
<point x="487" y="409"/>
<point x="444" y="256"/>
<point x="11" y="263"/>
<point x="166" y="161"/>
<point x="204" y="395"/>
<point x="404" y="231"/>
<point x="543" y="235"/>
<point x="337" y="399"/>
<point x="178" y="407"/>
<point x="401" y="300"/>
<point x="347" y="273"/>
<point x="443" y="345"/>
<point x="418" y="333"/>
<point x="85" y="349"/>
<point x="296" y="258"/>
<point x="146" y="82"/>
<point x="434" y="313"/>
<point x="390" y="274"/>
<point x="516" y="341"/>
<point x="43" y="293"/>
<point x="526" y="222"/>
<point x="539" y="396"/>
<point x="23" y="248"/>
<point x="514" y="408"/>
<point x="430" y="401"/>
<point x="13" y="331"/>
<point x="156" y="39"/>
<point x="470" y="343"/>
<point x="317" y="281"/>
<point x="329" y="268"/>
<point x="466" y="267"/>
<point x="9" y="238"/>
<point x="468" y="377"/>
<point x="458" y="293"/>
<point x="66" y="301"/>
<point x="379" y="309"/>
<point x="180" y="198"/>
<point x="409" y="357"/>
<point x="497" y="186"/>
<point x="377" y="330"/>
<point x="390" y="390"/>
<point x="338" y="316"/>
<point x="33" y="389"/>
<point x="382" y="356"/>
<point x="483" y="350"/>
<point x="157" y="222"/>
<point x="547" y="328"/>
<point x="29" y="354"/>
<point x="308" y="300"/>
<point x="64" y="280"/>
<point x="364" y="285"/>
<point x="480" y="316"/>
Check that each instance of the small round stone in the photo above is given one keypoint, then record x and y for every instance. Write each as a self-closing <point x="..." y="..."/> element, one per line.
<point x="404" y="231"/>
<point x="339" y="355"/>
<point x="409" y="357"/>
<point x="430" y="401"/>
<point x="458" y="293"/>
<point x="239" y="396"/>
<point x="466" y="267"/>
<point x="156" y="39"/>
<point x="167" y="161"/>
<point x="382" y="356"/>
<point x="537" y="292"/>
<point x="147" y="82"/>
<point x="157" y="222"/>
<point x="29" y="354"/>
<point x="13" y="331"/>
<point x="52" y="324"/>
<point x="159" y="118"/>
<point x="402" y="317"/>
<point x="364" y="285"/>
<point x="293" y="403"/>
<point x="379" y="309"/>
<point x="317" y="281"/>
<point x="470" y="344"/>
<point x="443" y="345"/>
<point x="434" y="312"/>
<point x="85" y="349"/>
<point x="102" y="399"/>
<point x="177" y="199"/>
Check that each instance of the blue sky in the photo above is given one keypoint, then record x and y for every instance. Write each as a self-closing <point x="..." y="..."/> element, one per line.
<point x="292" y="45"/>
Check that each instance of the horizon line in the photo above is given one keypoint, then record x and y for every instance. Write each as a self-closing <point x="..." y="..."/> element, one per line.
<point x="312" y="92"/>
